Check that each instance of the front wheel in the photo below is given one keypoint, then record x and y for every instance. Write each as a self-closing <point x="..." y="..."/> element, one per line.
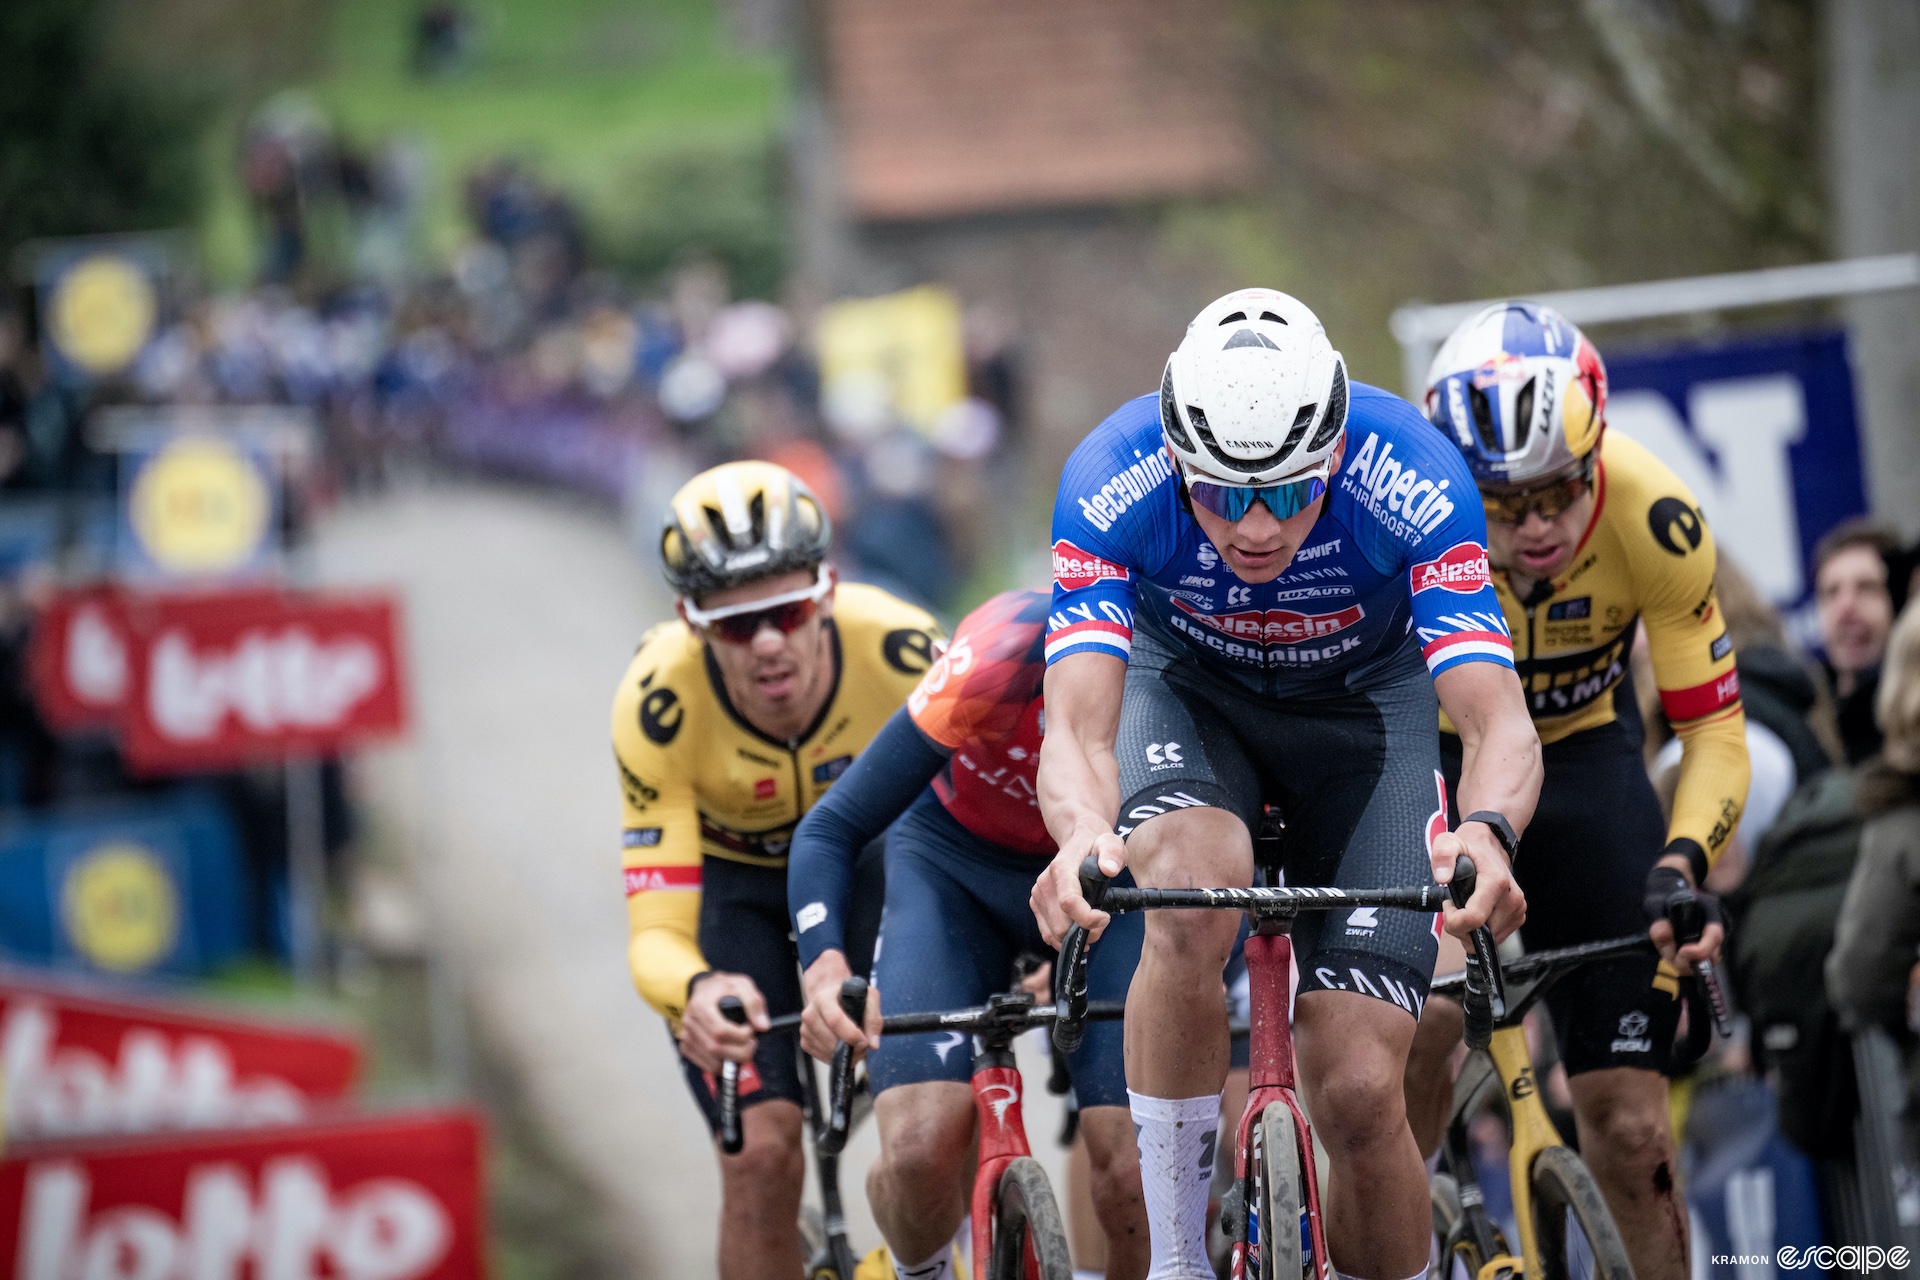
<point x="1029" y="1240"/>
<point x="1564" y="1195"/>
<point x="1285" y="1248"/>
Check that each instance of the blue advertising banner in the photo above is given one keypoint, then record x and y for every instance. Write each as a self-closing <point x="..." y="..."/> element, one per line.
<point x="151" y="887"/>
<point x="1763" y="431"/>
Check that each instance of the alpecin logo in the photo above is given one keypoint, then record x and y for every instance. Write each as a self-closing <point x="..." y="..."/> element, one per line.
<point x="1461" y="568"/>
<point x="1074" y="568"/>
<point x="1396" y="493"/>
<point x="1277" y="626"/>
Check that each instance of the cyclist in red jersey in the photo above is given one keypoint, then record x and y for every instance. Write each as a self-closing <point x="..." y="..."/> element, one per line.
<point x="956" y="767"/>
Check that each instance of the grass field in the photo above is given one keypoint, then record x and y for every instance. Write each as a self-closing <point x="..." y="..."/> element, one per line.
<point x="587" y="91"/>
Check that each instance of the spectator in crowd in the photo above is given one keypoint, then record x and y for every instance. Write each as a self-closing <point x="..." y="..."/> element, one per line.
<point x="1873" y="974"/>
<point x="1852" y="586"/>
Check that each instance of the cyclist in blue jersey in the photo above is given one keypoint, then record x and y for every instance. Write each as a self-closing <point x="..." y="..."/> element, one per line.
<point x="1262" y="579"/>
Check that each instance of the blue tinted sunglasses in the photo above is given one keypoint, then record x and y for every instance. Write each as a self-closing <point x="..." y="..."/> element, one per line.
<point x="1230" y="502"/>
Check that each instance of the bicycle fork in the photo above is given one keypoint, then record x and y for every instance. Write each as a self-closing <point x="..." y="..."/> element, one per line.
<point x="1269" y="952"/>
<point x="1003" y="1138"/>
<point x="1533" y="1129"/>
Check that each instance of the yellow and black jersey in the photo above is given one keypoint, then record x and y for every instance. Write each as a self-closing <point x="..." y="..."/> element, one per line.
<point x="1647" y="553"/>
<point x="697" y="781"/>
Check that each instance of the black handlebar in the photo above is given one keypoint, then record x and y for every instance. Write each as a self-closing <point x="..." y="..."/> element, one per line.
<point x="731" y="1136"/>
<point x="1689" y="920"/>
<point x="1486" y="993"/>
<point x="833" y="1139"/>
<point x="1485" y="997"/>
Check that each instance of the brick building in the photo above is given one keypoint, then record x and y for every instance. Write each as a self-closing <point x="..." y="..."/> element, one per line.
<point x="1014" y="150"/>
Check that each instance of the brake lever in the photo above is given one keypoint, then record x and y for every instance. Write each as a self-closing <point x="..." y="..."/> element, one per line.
<point x="1070" y="1027"/>
<point x="732" y="1138"/>
<point x="1485" y="1001"/>
<point x="833" y="1139"/>
<point x="1689" y="921"/>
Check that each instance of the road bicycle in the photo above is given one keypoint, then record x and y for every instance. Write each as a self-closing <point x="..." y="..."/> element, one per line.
<point x="1272" y="1212"/>
<point x="1566" y="1231"/>
<point x="1017" y="1227"/>
<point x="1016" y="1220"/>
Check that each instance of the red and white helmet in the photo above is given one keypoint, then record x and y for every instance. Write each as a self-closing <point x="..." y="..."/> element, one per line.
<point x="1255" y="393"/>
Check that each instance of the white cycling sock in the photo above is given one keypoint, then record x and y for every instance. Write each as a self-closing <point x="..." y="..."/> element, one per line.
<point x="1418" y="1275"/>
<point x="938" y="1267"/>
<point x="1176" y="1137"/>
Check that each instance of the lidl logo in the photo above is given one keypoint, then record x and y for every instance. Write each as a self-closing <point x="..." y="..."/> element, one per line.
<point x="121" y="908"/>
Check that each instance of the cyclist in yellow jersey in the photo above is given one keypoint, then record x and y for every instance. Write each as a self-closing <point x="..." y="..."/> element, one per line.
<point x="1589" y="534"/>
<point x="728" y="725"/>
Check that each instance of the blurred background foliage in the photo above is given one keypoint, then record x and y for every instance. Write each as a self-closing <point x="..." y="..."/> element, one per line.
<point x="1610" y="140"/>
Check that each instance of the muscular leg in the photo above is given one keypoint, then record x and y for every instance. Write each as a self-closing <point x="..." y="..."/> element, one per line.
<point x="1626" y="1140"/>
<point x="760" y="1196"/>
<point x="1176" y="1010"/>
<point x="919" y="1185"/>
<point x="1353" y="1060"/>
<point x="1430" y="1072"/>
<point x="1115" y="1168"/>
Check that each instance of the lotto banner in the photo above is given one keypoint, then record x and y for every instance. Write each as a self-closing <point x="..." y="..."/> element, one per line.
<point x="77" y="660"/>
<point x="217" y="681"/>
<point x="1763" y="431"/>
<point x="393" y="1197"/>
<point x="78" y="1064"/>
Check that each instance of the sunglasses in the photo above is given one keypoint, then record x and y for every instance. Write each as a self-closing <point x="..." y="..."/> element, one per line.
<point x="786" y="613"/>
<point x="1549" y="500"/>
<point x="1231" y="502"/>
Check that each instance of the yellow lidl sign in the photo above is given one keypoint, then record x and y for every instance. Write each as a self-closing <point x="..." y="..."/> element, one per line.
<point x="906" y="346"/>
<point x="101" y="313"/>
<point x="200" y="506"/>
<point x="121" y="909"/>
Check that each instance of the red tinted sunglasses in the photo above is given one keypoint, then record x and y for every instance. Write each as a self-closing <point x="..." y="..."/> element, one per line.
<point x="788" y="618"/>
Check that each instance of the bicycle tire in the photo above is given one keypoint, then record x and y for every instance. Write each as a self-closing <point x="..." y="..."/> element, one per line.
<point x="1563" y="1185"/>
<point x="1280" y="1195"/>
<point x="1026" y="1220"/>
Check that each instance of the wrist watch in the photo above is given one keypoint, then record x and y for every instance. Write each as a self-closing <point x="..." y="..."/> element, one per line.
<point x="1501" y="828"/>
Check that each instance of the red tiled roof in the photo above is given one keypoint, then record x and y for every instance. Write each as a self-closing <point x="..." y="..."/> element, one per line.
<point x="968" y="106"/>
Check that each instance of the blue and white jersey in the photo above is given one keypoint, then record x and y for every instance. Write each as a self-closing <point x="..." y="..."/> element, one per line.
<point x="1396" y="564"/>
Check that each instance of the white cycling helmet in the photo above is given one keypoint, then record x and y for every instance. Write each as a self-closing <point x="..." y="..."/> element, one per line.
<point x="1255" y="393"/>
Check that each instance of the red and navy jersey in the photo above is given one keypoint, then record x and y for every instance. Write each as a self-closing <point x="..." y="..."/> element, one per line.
<point x="981" y="701"/>
<point x="1395" y="569"/>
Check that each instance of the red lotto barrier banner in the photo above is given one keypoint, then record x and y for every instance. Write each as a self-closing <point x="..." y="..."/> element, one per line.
<point x="217" y="680"/>
<point x="393" y="1197"/>
<point x="78" y="1065"/>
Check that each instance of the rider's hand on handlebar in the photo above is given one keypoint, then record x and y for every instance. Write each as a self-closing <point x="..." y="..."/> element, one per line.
<point x="1056" y="899"/>
<point x="823" y="1023"/>
<point x="707" y="1038"/>
<point x="1497" y="901"/>
<point x="1667" y="875"/>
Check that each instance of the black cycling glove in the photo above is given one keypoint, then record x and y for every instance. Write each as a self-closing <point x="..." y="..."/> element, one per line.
<point x="1664" y="884"/>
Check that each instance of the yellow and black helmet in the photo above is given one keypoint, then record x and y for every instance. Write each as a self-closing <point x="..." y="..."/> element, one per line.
<point x="740" y="522"/>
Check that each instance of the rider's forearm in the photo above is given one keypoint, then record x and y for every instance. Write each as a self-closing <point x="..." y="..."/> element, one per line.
<point x="889" y="775"/>
<point x="1079" y="785"/>
<point x="1500" y="769"/>
<point x="1714" y="772"/>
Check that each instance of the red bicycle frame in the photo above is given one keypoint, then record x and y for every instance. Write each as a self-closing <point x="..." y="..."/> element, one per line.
<point x="1271" y="1083"/>
<point x="1003" y="1139"/>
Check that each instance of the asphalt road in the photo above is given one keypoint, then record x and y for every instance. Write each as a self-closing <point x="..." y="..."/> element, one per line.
<point x="522" y="608"/>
